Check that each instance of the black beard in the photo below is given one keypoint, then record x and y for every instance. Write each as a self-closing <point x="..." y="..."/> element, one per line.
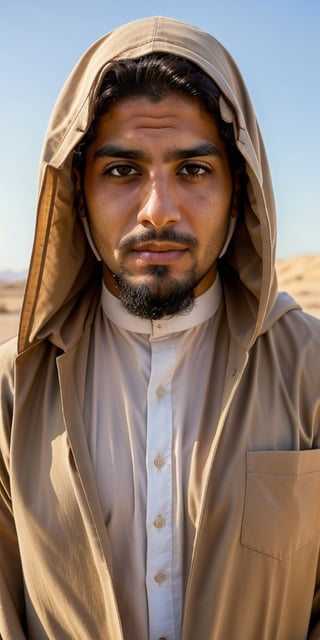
<point x="171" y="297"/>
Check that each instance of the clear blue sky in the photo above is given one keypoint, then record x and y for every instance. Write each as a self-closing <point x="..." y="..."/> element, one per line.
<point x="276" y="45"/>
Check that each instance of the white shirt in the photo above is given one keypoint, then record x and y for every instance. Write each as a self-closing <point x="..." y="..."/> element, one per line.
<point x="147" y="395"/>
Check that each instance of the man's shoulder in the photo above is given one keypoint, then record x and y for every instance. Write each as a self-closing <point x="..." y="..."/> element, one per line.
<point x="287" y="315"/>
<point x="301" y="324"/>
<point x="294" y="340"/>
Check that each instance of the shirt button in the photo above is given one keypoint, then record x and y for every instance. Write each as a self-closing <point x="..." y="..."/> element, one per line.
<point x="160" y="391"/>
<point x="159" y="461"/>
<point x="160" y="577"/>
<point x="159" y="522"/>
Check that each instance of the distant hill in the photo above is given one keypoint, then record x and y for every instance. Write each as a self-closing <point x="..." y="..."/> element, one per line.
<point x="7" y="275"/>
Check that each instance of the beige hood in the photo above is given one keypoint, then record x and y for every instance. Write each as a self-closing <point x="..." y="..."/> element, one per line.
<point x="62" y="264"/>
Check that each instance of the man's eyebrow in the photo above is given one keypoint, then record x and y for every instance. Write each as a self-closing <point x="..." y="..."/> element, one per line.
<point x="203" y="149"/>
<point x="114" y="151"/>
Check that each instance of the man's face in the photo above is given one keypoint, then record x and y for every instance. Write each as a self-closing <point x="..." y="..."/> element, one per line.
<point x="158" y="191"/>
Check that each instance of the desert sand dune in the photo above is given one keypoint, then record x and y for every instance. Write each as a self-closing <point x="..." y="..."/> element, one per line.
<point x="300" y="276"/>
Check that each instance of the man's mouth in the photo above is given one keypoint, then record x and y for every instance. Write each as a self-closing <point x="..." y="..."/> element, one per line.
<point x="158" y="252"/>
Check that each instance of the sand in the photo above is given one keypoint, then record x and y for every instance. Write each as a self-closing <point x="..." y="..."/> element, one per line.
<point x="11" y="294"/>
<point x="299" y="275"/>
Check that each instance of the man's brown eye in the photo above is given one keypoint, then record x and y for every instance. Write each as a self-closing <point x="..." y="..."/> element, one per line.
<point x="124" y="170"/>
<point x="194" y="169"/>
<point x="121" y="171"/>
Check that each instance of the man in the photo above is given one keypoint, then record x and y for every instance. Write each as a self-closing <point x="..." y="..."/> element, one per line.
<point x="160" y="463"/>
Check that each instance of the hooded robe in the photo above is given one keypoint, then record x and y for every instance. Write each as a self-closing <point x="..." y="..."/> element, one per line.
<point x="254" y="568"/>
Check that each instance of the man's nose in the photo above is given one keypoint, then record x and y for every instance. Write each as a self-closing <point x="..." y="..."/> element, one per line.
<point x="160" y="208"/>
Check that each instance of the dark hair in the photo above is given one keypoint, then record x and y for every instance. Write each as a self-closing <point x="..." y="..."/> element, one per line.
<point x="155" y="76"/>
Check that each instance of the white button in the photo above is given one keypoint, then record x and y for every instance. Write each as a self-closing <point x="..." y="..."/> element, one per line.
<point x="159" y="461"/>
<point x="160" y="577"/>
<point x="159" y="522"/>
<point x="160" y="391"/>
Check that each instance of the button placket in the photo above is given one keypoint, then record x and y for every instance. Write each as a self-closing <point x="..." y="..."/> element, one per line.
<point x="159" y="491"/>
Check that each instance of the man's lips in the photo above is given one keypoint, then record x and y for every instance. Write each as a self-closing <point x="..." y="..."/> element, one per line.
<point x="158" y="252"/>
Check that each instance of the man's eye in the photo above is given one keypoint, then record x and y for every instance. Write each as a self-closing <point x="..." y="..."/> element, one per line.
<point x="121" y="171"/>
<point x="193" y="169"/>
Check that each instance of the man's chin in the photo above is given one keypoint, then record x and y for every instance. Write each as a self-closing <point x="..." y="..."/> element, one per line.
<point x="154" y="300"/>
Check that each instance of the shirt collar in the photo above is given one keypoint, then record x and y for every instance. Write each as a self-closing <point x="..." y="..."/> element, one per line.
<point x="205" y="307"/>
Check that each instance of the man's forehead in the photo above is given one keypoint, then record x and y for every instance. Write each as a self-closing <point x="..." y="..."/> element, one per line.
<point x="134" y="116"/>
<point x="140" y="129"/>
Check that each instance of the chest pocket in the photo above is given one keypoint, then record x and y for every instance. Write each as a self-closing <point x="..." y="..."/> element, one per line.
<point x="282" y="501"/>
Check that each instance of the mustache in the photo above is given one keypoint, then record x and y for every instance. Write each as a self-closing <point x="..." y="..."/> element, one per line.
<point x="152" y="235"/>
